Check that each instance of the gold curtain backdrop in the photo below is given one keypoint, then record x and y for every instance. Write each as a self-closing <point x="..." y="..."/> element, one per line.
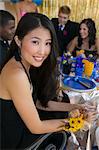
<point x="80" y="9"/>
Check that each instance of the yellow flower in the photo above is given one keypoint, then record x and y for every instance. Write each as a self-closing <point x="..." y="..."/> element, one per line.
<point x="72" y="129"/>
<point x="88" y="67"/>
<point x="80" y="52"/>
<point x="72" y="122"/>
<point x="79" y="123"/>
<point x="75" y="124"/>
<point x="64" y="61"/>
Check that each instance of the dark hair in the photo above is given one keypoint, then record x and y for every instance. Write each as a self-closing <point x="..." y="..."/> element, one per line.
<point x="65" y="10"/>
<point x="5" y="16"/>
<point x="40" y="76"/>
<point x="91" y="32"/>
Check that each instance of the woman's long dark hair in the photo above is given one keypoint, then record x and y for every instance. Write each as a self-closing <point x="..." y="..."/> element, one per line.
<point x="91" y="32"/>
<point x="42" y="77"/>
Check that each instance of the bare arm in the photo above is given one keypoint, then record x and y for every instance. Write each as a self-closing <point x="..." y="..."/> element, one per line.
<point x="71" y="46"/>
<point x="19" y="89"/>
<point x="17" y="6"/>
<point x="58" y="106"/>
<point x="97" y="46"/>
<point x="34" y="7"/>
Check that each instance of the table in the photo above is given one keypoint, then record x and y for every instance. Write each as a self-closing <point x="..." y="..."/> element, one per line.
<point x="79" y="97"/>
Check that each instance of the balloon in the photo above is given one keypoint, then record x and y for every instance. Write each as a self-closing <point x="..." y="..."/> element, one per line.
<point x="38" y="2"/>
<point x="15" y="1"/>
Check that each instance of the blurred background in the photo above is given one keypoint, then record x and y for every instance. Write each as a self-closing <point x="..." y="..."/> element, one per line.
<point x="80" y="9"/>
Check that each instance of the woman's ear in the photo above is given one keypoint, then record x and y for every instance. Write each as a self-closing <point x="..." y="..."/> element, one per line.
<point x="18" y="42"/>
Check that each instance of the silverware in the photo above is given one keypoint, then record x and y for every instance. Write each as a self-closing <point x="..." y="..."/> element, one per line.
<point x="82" y="83"/>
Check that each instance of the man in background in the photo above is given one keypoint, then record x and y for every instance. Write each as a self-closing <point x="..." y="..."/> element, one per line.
<point x="66" y="30"/>
<point x="7" y="29"/>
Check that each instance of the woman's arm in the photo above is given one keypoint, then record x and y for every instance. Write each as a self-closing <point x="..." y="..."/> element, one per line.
<point x="97" y="46"/>
<point x="18" y="88"/>
<point x="63" y="107"/>
<point x="58" y="106"/>
<point x="17" y="6"/>
<point x="34" y="7"/>
<point x="71" y="46"/>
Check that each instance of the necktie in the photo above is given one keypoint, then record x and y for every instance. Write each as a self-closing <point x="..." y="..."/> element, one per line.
<point x="61" y="27"/>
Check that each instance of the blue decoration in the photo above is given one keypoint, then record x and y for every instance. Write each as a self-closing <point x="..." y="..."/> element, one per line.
<point x="38" y="2"/>
<point x="78" y="84"/>
<point x="66" y="63"/>
<point x="15" y="1"/>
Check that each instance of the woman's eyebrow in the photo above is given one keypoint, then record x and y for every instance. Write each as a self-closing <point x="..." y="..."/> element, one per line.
<point x="40" y="38"/>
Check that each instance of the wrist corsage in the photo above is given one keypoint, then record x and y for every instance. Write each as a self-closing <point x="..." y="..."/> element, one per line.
<point x="77" y="121"/>
<point x="74" y="124"/>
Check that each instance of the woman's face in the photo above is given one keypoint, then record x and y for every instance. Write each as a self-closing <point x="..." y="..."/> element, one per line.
<point x="83" y="31"/>
<point x="36" y="46"/>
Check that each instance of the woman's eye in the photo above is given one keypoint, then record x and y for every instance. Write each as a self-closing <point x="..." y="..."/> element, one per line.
<point x="48" y="43"/>
<point x="35" y="42"/>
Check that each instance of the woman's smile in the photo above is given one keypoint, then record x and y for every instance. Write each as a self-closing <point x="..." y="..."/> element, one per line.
<point x="38" y="58"/>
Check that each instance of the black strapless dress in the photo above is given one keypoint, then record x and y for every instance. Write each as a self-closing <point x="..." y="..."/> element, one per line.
<point x="14" y="133"/>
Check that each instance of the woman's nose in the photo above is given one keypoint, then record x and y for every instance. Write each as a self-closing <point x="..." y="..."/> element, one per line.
<point x="81" y="31"/>
<point x="42" y="49"/>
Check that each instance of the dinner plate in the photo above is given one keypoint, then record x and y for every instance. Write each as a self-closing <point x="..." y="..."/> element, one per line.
<point x="78" y="84"/>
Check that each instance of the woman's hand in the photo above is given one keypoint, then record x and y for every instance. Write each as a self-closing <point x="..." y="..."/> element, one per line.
<point x="75" y="113"/>
<point x="98" y="122"/>
<point x="88" y="106"/>
<point x="91" y="117"/>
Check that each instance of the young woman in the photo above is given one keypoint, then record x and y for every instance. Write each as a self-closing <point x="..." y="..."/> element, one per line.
<point x="34" y="44"/>
<point x="86" y="40"/>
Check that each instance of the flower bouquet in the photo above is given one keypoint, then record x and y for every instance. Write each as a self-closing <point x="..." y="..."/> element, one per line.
<point x="78" y="123"/>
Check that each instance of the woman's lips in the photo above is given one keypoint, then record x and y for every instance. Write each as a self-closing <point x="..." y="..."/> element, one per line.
<point x="38" y="58"/>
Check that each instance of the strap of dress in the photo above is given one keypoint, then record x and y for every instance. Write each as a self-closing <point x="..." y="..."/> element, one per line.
<point x="26" y="72"/>
<point x="18" y="58"/>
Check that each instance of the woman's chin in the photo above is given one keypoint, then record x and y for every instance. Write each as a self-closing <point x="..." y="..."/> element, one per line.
<point x="37" y="64"/>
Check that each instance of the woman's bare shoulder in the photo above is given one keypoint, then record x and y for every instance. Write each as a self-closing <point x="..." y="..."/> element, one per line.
<point x="97" y="39"/>
<point x="72" y="44"/>
<point x="11" y="76"/>
<point x="12" y="71"/>
<point x="76" y="38"/>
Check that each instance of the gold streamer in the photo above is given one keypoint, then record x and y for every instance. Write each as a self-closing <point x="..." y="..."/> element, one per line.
<point x="80" y="9"/>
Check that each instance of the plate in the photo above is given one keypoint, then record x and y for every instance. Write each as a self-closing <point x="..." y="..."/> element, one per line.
<point x="78" y="84"/>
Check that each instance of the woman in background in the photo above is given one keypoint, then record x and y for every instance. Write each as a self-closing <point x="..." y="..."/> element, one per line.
<point x="86" y="40"/>
<point x="24" y="6"/>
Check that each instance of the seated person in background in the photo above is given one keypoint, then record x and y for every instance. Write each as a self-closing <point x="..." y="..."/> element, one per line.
<point x="86" y="40"/>
<point x="66" y="29"/>
<point x="7" y="28"/>
<point x="24" y="6"/>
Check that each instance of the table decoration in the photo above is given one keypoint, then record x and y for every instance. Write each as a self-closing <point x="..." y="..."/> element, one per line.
<point x="78" y="121"/>
<point x="88" y="67"/>
<point x="78" y="84"/>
